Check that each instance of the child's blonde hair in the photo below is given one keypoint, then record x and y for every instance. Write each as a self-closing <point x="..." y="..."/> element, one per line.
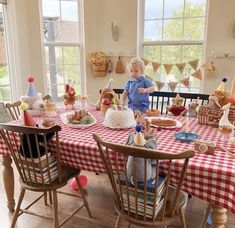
<point x="136" y="63"/>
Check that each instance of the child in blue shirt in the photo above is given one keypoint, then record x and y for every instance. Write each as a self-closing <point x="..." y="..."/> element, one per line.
<point x="138" y="87"/>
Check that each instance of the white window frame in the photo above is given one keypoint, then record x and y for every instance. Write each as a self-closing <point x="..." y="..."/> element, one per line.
<point x="140" y="35"/>
<point x="81" y="45"/>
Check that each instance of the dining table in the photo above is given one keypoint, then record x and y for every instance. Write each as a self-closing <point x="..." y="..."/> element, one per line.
<point x="210" y="177"/>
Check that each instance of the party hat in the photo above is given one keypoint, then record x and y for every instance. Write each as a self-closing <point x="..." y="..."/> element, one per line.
<point x="28" y="120"/>
<point x="221" y="86"/>
<point x="109" y="85"/>
<point x="31" y="92"/>
<point x="139" y="138"/>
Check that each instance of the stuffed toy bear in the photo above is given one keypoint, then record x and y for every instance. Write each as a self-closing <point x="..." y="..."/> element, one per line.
<point x="36" y="104"/>
<point x="33" y="99"/>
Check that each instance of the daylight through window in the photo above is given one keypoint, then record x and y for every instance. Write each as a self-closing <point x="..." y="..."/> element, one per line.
<point x="173" y="35"/>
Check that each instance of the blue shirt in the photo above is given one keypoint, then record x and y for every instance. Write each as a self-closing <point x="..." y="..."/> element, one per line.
<point x="136" y="100"/>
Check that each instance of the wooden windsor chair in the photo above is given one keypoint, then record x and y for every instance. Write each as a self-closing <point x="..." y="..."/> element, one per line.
<point x="40" y="170"/>
<point x="14" y="108"/>
<point x="160" y="100"/>
<point x="145" y="202"/>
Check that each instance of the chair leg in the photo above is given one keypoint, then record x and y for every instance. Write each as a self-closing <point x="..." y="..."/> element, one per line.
<point x="205" y="217"/>
<point x="83" y="196"/>
<point x="45" y="198"/>
<point x="55" y="208"/>
<point x="182" y="217"/>
<point x="50" y="197"/>
<point x="118" y="222"/>
<point x="21" y="197"/>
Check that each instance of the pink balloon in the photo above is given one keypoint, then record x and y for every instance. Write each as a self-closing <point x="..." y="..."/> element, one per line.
<point x="83" y="181"/>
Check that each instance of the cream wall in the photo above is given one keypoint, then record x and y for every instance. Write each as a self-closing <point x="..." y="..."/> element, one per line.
<point x="219" y="40"/>
<point x="98" y="37"/>
<point x="98" y="17"/>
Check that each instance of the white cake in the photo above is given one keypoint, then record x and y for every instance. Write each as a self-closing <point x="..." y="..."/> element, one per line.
<point x="119" y="118"/>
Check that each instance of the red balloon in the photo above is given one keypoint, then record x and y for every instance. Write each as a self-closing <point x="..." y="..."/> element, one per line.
<point x="83" y="181"/>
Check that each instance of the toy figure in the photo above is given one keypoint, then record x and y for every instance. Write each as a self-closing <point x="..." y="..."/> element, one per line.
<point x="69" y="96"/>
<point x="177" y="105"/>
<point x="192" y="109"/>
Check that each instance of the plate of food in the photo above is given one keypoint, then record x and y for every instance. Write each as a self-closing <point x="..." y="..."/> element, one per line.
<point x="78" y="119"/>
<point x="164" y="122"/>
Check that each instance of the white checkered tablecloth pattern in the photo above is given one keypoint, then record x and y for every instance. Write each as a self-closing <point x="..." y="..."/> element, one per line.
<point x="211" y="178"/>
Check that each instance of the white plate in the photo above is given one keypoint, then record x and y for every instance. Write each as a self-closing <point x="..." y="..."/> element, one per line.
<point x="178" y="123"/>
<point x="64" y="119"/>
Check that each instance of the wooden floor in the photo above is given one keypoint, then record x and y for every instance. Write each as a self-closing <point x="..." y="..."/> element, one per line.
<point x="100" y="198"/>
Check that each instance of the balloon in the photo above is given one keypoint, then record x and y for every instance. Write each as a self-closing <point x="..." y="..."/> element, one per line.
<point x="83" y="181"/>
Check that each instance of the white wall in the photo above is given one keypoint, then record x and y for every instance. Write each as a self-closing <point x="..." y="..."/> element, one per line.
<point x="219" y="40"/>
<point x="98" y="37"/>
<point x="98" y="17"/>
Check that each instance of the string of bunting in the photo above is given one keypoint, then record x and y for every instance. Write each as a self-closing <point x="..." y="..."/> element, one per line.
<point x="180" y="66"/>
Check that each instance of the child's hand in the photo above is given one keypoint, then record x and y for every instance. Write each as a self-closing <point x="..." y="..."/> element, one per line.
<point x="141" y="90"/>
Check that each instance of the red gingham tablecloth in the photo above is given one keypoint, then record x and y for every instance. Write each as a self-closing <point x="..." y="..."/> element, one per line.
<point x="209" y="177"/>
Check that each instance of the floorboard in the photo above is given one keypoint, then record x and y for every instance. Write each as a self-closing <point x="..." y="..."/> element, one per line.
<point x="100" y="198"/>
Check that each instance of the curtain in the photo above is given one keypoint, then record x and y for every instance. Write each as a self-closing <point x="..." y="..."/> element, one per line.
<point x="3" y="1"/>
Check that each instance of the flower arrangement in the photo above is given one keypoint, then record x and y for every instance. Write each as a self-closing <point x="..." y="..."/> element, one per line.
<point x="98" y="61"/>
<point x="97" y="58"/>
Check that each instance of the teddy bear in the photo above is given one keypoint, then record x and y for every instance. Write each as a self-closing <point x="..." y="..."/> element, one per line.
<point x="219" y="97"/>
<point x="36" y="104"/>
<point x="107" y="96"/>
<point x="33" y="99"/>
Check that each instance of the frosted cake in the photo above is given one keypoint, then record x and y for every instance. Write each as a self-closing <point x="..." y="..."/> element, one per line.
<point x="123" y="118"/>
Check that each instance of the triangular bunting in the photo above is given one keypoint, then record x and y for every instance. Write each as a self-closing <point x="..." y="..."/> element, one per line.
<point x="155" y="66"/>
<point x="180" y="67"/>
<point x="145" y="61"/>
<point x="209" y="65"/>
<point x="197" y="74"/>
<point x="194" y="64"/>
<point x="159" y="85"/>
<point x="172" y="85"/>
<point x="185" y="82"/>
<point x="168" y="67"/>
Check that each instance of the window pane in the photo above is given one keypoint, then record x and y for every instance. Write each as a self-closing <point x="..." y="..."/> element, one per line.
<point x="51" y="8"/>
<point x="69" y="11"/>
<point x="191" y="52"/>
<point x="5" y="89"/>
<point x="194" y="28"/>
<point x="153" y="9"/>
<point x="71" y="55"/>
<point x="152" y="53"/>
<point x="71" y="72"/>
<point x="173" y="29"/>
<point x="195" y="8"/>
<point x="52" y="31"/>
<point x="173" y="9"/>
<point x="153" y="30"/>
<point x="171" y="54"/>
<point x="69" y="32"/>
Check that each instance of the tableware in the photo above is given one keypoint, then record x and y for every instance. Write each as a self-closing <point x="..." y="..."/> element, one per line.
<point x="186" y="137"/>
<point x="178" y="123"/>
<point x="64" y="119"/>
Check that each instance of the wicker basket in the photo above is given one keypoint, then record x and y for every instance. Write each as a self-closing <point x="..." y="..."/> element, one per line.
<point x="211" y="116"/>
<point x="99" y="70"/>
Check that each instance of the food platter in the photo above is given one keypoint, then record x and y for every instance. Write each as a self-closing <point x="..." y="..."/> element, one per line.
<point x="178" y="123"/>
<point x="64" y="119"/>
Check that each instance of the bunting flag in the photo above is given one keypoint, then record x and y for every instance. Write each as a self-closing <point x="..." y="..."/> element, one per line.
<point x="194" y="64"/>
<point x="180" y="67"/>
<point x="145" y="61"/>
<point x="172" y="85"/>
<point x="159" y="85"/>
<point x="168" y="67"/>
<point x="197" y="74"/>
<point x="155" y="66"/>
<point x="209" y="65"/>
<point x="185" y="82"/>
